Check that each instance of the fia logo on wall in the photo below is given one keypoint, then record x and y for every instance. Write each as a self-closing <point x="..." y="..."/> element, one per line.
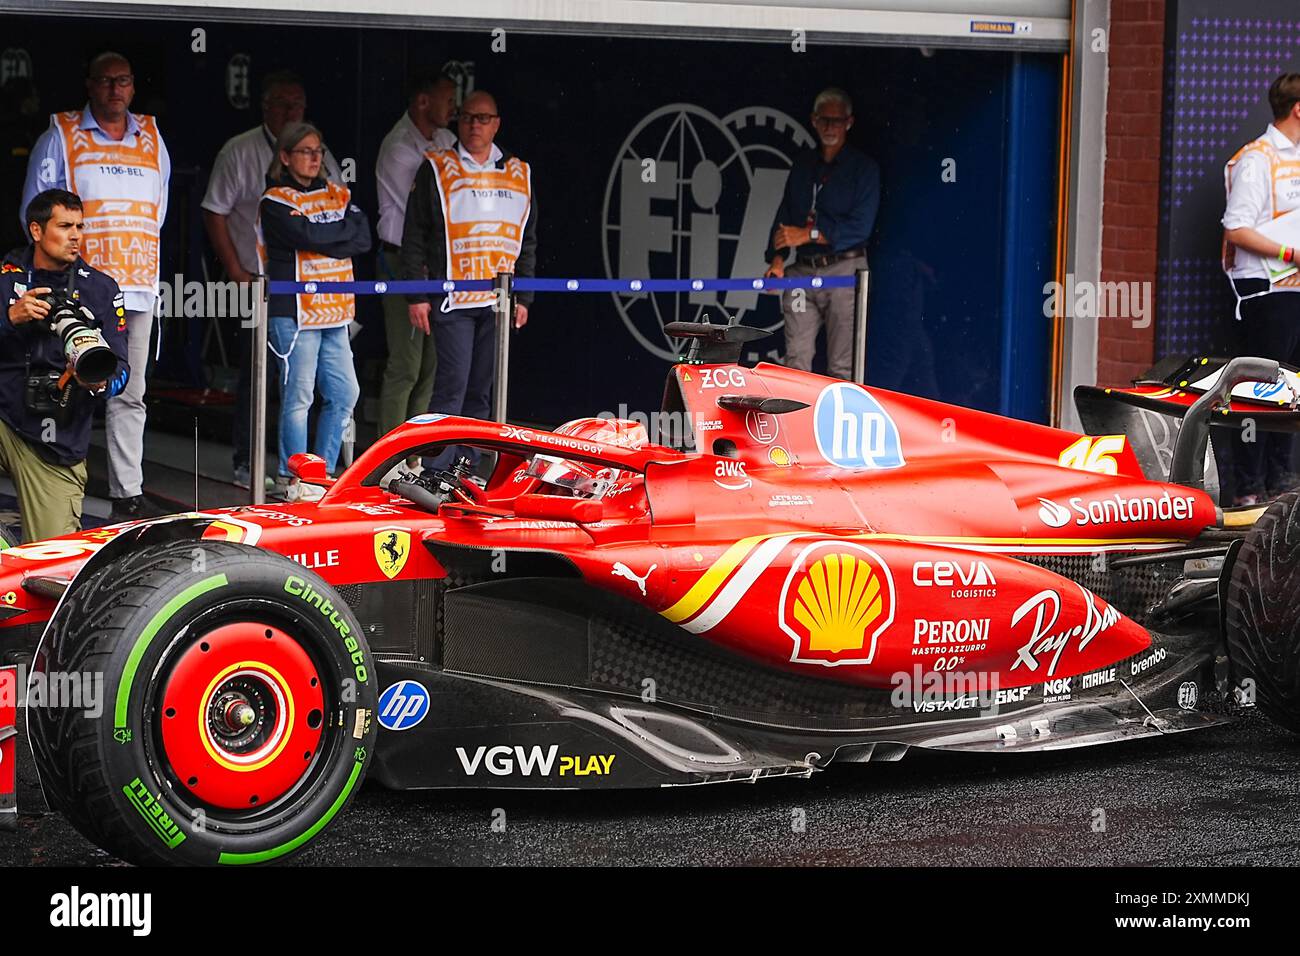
<point x="692" y="195"/>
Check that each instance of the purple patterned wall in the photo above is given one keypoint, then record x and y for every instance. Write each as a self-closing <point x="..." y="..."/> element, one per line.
<point x="1217" y="71"/>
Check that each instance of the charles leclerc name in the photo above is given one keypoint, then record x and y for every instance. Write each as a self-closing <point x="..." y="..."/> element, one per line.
<point x="1119" y="509"/>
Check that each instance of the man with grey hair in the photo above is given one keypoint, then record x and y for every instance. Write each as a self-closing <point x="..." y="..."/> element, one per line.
<point x="822" y="228"/>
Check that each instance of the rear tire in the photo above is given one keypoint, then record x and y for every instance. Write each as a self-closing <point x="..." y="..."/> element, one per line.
<point x="1263" y="615"/>
<point x="235" y="706"/>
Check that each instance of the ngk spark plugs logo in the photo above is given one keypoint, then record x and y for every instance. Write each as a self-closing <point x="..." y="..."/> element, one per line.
<point x="692" y="195"/>
<point x="837" y="600"/>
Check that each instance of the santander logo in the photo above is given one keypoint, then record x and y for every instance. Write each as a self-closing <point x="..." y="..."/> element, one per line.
<point x="1052" y="514"/>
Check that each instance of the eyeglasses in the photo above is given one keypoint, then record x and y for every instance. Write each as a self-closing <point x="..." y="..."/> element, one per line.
<point x="830" y="120"/>
<point x="483" y="119"/>
<point x="122" y="81"/>
<point x="316" y="153"/>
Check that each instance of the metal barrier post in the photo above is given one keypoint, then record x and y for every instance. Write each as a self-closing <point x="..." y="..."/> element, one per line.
<point x="503" y="304"/>
<point x="257" y="404"/>
<point x="860" y="291"/>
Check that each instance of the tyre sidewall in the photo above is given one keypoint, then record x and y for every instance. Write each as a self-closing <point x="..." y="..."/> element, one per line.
<point x="266" y="587"/>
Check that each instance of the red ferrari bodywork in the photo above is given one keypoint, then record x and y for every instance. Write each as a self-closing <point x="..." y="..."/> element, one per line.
<point x="863" y="534"/>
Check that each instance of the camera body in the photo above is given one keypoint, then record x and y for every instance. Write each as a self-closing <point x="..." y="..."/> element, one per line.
<point x="83" y="344"/>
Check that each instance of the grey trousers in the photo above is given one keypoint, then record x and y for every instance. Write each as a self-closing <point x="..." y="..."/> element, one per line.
<point x="807" y="310"/>
<point x="124" y="417"/>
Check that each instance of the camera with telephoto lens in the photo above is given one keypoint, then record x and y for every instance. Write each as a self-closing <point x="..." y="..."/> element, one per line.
<point x="88" y="354"/>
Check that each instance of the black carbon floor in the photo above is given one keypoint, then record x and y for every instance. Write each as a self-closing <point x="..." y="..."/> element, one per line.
<point x="1229" y="796"/>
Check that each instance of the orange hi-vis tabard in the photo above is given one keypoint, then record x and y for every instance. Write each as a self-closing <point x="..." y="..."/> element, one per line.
<point x="316" y="310"/>
<point x="484" y="211"/>
<point x="121" y="189"/>
<point x="1284" y="195"/>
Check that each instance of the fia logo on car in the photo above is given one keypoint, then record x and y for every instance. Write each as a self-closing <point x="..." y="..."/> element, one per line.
<point x="1188" y="693"/>
<point x="403" y="705"/>
<point x="853" y="430"/>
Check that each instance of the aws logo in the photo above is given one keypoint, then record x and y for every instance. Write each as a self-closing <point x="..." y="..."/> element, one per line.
<point x="730" y="475"/>
<point x="853" y="430"/>
<point x="837" y="600"/>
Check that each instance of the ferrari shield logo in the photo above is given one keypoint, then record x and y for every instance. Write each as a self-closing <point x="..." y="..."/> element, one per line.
<point x="837" y="600"/>
<point x="392" y="548"/>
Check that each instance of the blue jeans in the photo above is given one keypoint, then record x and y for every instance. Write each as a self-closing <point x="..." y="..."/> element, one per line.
<point x="317" y="357"/>
<point x="462" y="383"/>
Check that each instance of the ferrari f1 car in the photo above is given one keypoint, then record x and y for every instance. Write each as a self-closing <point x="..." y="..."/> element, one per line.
<point x="812" y="573"/>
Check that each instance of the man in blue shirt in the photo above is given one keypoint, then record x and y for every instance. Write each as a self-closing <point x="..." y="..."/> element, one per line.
<point x="822" y="228"/>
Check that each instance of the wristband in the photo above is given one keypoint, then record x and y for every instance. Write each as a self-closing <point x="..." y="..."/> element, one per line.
<point x="1287" y="254"/>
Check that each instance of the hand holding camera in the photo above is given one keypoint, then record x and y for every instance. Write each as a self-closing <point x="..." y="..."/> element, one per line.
<point x="31" y="307"/>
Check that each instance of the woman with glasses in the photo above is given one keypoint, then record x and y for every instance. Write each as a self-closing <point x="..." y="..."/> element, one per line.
<point x="308" y="231"/>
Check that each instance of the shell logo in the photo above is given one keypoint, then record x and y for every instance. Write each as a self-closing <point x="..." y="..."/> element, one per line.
<point x="837" y="600"/>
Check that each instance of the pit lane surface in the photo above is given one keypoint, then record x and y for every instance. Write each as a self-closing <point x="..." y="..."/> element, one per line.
<point x="1223" y="797"/>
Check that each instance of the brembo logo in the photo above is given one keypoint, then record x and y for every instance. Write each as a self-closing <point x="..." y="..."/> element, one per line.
<point x="1117" y="509"/>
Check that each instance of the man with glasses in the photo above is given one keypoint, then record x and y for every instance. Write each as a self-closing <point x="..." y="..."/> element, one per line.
<point x="471" y="215"/>
<point x="116" y="161"/>
<point x="822" y="228"/>
<point x="230" y="209"/>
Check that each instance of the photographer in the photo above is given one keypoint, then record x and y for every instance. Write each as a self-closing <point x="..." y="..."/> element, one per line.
<point x="54" y="358"/>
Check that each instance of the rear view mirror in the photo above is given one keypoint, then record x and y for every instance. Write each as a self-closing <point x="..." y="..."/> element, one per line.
<point x="310" y="469"/>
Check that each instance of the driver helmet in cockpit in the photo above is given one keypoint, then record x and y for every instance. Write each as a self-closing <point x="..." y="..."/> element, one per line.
<point x="577" y="478"/>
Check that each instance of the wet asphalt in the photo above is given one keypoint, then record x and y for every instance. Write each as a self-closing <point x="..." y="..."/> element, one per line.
<point x="1226" y="796"/>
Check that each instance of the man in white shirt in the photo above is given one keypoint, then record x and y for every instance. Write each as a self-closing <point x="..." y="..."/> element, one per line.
<point x="230" y="211"/>
<point x="117" y="163"/>
<point x="1263" y="182"/>
<point x="412" y="357"/>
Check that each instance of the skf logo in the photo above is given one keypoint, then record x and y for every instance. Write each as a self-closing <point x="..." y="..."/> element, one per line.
<point x="837" y="600"/>
<point x="392" y="548"/>
<point x="853" y="430"/>
<point x="734" y="474"/>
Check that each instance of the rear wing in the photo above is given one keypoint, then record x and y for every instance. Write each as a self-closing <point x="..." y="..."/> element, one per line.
<point x="1167" y="413"/>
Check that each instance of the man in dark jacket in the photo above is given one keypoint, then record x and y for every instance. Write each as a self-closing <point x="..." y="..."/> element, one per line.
<point x="45" y="409"/>
<point x="491" y="228"/>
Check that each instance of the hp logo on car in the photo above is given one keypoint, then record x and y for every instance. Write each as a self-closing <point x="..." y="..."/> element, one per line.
<point x="403" y="705"/>
<point x="853" y="430"/>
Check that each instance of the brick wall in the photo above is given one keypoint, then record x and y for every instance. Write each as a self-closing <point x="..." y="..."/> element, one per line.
<point x="1131" y="191"/>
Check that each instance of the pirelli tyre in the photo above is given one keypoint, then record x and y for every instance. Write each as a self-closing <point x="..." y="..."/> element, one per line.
<point x="1263" y="614"/>
<point x="235" y="719"/>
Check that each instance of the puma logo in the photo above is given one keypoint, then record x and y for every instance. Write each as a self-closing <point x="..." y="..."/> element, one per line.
<point x="621" y="570"/>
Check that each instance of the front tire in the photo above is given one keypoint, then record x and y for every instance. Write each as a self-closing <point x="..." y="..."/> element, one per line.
<point x="234" y="713"/>
<point x="1263" y="615"/>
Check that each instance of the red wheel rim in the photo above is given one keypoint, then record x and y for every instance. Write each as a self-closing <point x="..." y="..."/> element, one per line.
<point x="242" y="715"/>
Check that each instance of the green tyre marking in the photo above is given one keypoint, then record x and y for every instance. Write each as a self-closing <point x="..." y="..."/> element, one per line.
<point x="147" y="635"/>
<point x="239" y="859"/>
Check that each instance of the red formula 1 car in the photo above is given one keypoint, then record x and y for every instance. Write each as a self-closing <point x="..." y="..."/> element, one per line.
<point x="818" y="573"/>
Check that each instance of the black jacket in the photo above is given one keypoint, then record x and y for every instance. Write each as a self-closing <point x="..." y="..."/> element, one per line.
<point x="285" y="233"/>
<point x="424" y="235"/>
<point x="32" y="346"/>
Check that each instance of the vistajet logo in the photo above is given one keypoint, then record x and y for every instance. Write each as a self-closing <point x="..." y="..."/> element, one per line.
<point x="77" y="910"/>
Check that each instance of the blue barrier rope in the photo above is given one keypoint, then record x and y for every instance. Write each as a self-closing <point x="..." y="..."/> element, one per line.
<point x="421" y="286"/>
